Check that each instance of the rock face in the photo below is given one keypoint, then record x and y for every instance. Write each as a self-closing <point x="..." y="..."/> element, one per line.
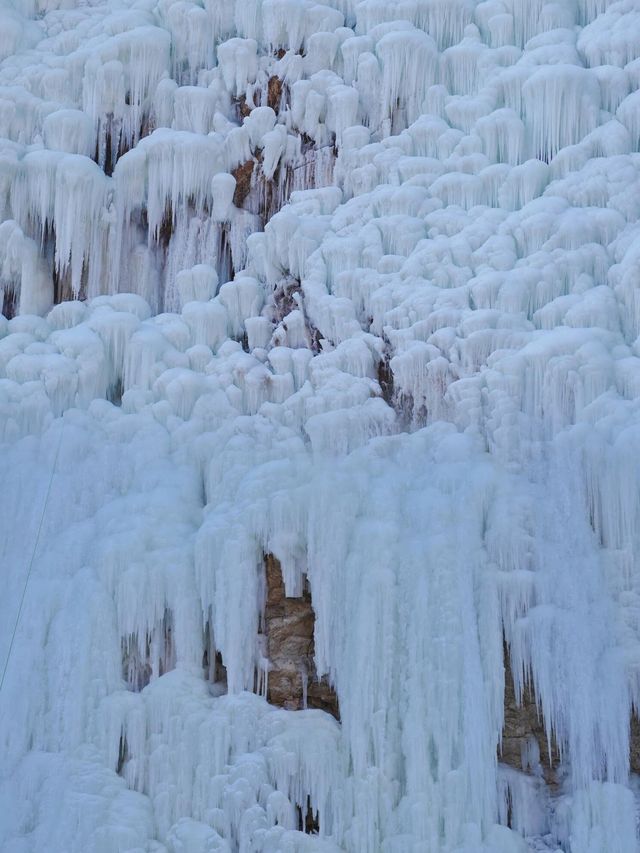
<point x="288" y="626"/>
<point x="635" y="745"/>
<point x="522" y="723"/>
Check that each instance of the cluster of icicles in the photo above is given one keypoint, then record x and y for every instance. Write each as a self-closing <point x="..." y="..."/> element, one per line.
<point x="354" y="284"/>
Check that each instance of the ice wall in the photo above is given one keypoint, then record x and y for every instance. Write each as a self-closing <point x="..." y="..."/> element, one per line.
<point x="353" y="284"/>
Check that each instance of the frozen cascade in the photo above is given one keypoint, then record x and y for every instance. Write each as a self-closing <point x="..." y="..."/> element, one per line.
<point x="349" y="288"/>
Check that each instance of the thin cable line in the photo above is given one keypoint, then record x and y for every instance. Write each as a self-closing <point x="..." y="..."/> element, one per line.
<point x="32" y="560"/>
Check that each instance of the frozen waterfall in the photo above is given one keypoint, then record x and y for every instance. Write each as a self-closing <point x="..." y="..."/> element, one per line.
<point x="344" y="293"/>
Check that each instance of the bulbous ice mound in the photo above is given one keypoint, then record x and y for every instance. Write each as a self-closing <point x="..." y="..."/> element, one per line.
<point x="354" y="285"/>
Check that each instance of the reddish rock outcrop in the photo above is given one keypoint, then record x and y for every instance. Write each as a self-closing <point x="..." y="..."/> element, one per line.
<point x="274" y="93"/>
<point x="242" y="174"/>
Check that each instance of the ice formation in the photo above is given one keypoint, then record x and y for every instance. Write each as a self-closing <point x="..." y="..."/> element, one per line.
<point x="352" y="284"/>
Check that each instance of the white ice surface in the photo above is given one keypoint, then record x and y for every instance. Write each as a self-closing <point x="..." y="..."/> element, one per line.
<point x="417" y="383"/>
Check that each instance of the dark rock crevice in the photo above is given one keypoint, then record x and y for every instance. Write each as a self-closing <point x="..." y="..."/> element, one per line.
<point x="307" y="821"/>
<point x="9" y="303"/>
<point x="151" y="658"/>
<point x="288" y="296"/>
<point x="385" y="379"/>
<point x="213" y="668"/>
<point x="123" y="754"/>
<point x="634" y="758"/>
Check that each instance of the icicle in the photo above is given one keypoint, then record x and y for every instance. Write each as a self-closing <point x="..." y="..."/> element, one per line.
<point x="561" y="107"/>
<point x="80" y="198"/>
<point x="408" y="60"/>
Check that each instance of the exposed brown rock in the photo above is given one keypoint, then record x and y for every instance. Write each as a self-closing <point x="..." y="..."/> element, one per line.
<point x="165" y="232"/>
<point x="243" y="108"/>
<point x="242" y="174"/>
<point x="307" y="822"/>
<point x="521" y="722"/>
<point x="274" y="93"/>
<point x="288" y="626"/>
<point x="284" y="298"/>
<point x="385" y="379"/>
<point x="62" y="290"/>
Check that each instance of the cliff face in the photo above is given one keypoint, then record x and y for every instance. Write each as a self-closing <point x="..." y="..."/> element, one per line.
<point x="523" y="729"/>
<point x="288" y="624"/>
<point x="353" y="283"/>
<point x="293" y="682"/>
